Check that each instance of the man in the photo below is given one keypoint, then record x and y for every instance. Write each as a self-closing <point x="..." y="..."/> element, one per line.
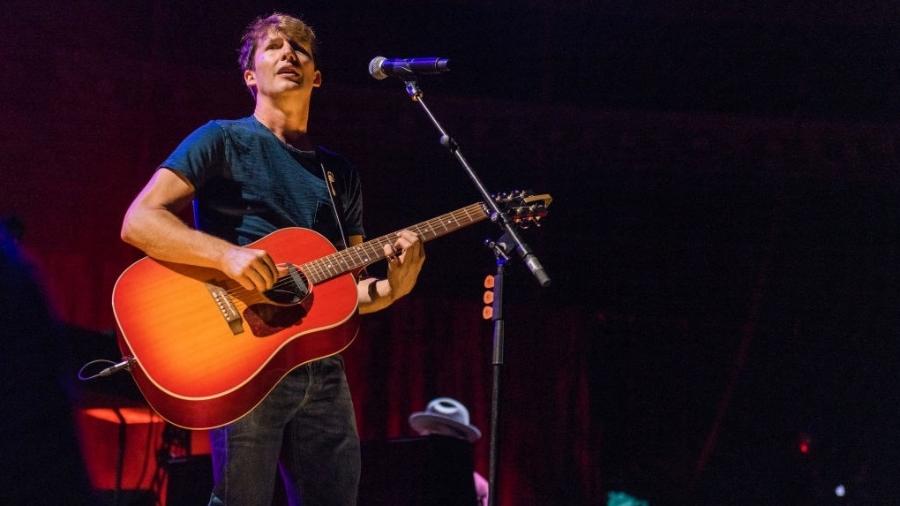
<point x="249" y="177"/>
<point x="43" y="464"/>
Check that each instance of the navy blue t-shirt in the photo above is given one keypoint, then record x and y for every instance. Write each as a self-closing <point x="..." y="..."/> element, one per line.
<point x="249" y="183"/>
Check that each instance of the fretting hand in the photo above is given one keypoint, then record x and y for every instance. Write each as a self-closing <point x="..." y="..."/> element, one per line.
<point x="405" y="258"/>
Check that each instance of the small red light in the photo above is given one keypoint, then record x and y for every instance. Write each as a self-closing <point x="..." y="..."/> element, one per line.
<point x="804" y="447"/>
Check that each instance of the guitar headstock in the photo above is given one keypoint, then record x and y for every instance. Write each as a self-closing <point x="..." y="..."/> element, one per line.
<point x="524" y="207"/>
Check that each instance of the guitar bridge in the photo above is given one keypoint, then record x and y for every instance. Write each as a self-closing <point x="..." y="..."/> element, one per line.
<point x="226" y="308"/>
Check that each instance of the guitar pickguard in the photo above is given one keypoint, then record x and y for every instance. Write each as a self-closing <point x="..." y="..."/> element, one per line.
<point x="265" y="319"/>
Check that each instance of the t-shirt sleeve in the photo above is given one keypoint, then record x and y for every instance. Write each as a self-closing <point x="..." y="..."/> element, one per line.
<point x="199" y="155"/>
<point x="353" y="215"/>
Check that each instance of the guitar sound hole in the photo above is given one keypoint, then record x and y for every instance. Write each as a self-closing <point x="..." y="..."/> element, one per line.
<point x="290" y="301"/>
<point x="286" y="296"/>
<point x="290" y="289"/>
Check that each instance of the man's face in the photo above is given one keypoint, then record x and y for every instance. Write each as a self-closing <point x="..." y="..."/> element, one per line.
<point x="282" y="66"/>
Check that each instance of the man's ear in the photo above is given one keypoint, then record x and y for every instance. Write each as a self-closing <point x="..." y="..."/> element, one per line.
<point x="317" y="79"/>
<point x="250" y="78"/>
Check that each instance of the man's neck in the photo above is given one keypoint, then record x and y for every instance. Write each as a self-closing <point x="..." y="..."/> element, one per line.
<point x="287" y="123"/>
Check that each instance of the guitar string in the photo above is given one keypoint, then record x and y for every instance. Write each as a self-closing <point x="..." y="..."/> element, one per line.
<point x="344" y="263"/>
<point x="345" y="266"/>
<point x="425" y="229"/>
<point x="373" y="250"/>
<point x="323" y="273"/>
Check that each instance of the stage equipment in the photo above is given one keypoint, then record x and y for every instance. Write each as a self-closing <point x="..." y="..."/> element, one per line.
<point x="433" y="470"/>
<point x="381" y="67"/>
<point x="508" y="243"/>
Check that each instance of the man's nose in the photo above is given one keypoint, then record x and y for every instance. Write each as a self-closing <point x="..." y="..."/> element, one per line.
<point x="289" y="54"/>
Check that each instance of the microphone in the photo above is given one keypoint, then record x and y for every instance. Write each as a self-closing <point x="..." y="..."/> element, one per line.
<point x="406" y="68"/>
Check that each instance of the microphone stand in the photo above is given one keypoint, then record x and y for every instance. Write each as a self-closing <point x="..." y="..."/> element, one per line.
<point x="502" y="248"/>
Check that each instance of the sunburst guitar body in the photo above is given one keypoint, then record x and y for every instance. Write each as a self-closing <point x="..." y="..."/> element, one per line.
<point x="204" y="351"/>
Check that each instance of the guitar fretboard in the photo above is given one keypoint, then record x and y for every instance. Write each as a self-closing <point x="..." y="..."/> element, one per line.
<point x="372" y="251"/>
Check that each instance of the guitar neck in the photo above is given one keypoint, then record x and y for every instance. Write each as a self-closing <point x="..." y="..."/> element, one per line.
<point x="369" y="252"/>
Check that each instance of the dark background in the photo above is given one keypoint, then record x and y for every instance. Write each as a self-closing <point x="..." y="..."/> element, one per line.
<point x="723" y="238"/>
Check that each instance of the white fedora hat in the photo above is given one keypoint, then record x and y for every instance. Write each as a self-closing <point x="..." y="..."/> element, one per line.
<point x="447" y="417"/>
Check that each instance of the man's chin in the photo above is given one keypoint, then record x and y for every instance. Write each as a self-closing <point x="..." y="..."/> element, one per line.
<point x="287" y="93"/>
<point x="285" y="87"/>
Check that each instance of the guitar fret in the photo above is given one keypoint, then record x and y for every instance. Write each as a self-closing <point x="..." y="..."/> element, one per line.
<point x="317" y="271"/>
<point x="364" y="254"/>
<point x="337" y="262"/>
<point x="327" y="268"/>
<point x="346" y="261"/>
<point x="311" y="271"/>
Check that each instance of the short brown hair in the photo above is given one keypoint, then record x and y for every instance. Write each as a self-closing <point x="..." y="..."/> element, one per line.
<point x="292" y="28"/>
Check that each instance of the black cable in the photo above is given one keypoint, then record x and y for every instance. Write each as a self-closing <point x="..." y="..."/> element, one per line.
<point x="113" y="368"/>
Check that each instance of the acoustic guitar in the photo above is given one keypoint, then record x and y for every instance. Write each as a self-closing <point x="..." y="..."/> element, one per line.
<point x="204" y="351"/>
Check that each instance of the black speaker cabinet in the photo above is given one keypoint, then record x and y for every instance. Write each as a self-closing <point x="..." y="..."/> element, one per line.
<point x="190" y="481"/>
<point x="433" y="470"/>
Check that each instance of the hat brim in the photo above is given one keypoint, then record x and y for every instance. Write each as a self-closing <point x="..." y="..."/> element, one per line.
<point x="437" y="424"/>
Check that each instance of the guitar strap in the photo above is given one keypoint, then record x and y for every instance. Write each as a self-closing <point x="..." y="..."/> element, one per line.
<point x="331" y="183"/>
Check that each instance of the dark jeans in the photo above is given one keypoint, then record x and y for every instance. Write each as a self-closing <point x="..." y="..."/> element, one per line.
<point x="307" y="425"/>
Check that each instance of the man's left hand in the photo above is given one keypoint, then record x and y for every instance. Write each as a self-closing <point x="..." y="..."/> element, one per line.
<point x="405" y="258"/>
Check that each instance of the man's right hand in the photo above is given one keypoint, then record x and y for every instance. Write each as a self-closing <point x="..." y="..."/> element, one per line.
<point x="152" y="225"/>
<point x="252" y="268"/>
